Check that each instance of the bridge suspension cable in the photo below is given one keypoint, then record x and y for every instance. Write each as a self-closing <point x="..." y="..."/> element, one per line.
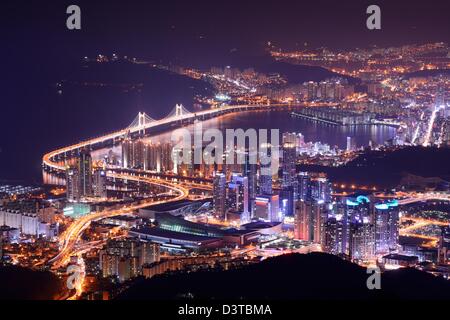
<point x="178" y="112"/>
<point x="141" y="120"/>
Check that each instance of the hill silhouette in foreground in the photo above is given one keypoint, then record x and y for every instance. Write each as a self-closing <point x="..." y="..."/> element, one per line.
<point x="17" y="283"/>
<point x="293" y="276"/>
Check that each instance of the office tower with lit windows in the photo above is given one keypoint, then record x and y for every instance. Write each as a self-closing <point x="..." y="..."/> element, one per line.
<point x="124" y="258"/>
<point x="348" y="230"/>
<point x="360" y="228"/>
<point x="267" y="208"/>
<point x="79" y="178"/>
<point x="72" y="184"/>
<point x="318" y="216"/>
<point x="312" y="89"/>
<point x="220" y="195"/>
<point x="326" y="90"/>
<point x="309" y="220"/>
<point x="300" y="140"/>
<point x="265" y="171"/>
<point x="358" y="208"/>
<point x="304" y="186"/>
<point x="289" y="182"/>
<point x="444" y="246"/>
<point x="301" y="220"/>
<point x="99" y="182"/>
<point x="139" y="154"/>
<point x="291" y="137"/>
<point x="265" y="184"/>
<point x="165" y="162"/>
<point x="335" y="229"/>
<point x="134" y="154"/>
<point x="338" y="93"/>
<point x="149" y="253"/>
<point x="127" y="153"/>
<point x="84" y="167"/>
<point x="237" y="196"/>
<point x="351" y="145"/>
<point x="287" y="201"/>
<point x="332" y="234"/>
<point x="361" y="240"/>
<point x="386" y="217"/>
<point x="249" y="170"/>
<point x="151" y="157"/>
<point x="320" y="188"/>
<point x="288" y="166"/>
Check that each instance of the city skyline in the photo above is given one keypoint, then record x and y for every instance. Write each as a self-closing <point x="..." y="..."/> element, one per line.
<point x="209" y="151"/>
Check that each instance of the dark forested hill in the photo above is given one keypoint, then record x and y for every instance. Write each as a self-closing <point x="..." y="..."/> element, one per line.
<point x="295" y="276"/>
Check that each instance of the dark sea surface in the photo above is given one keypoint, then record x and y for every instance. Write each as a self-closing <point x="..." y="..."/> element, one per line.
<point x="39" y="115"/>
<point x="311" y="130"/>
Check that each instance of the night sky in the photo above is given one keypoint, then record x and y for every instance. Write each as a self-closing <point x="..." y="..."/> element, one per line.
<point x="192" y="28"/>
<point x="38" y="50"/>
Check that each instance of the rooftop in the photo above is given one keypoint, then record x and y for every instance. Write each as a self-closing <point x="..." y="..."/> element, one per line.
<point x="163" y="207"/>
<point x="260" y="225"/>
<point x="158" y="232"/>
<point x="124" y="218"/>
<point x="396" y="256"/>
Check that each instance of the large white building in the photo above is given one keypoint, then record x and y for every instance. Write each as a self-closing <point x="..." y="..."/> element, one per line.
<point x="27" y="223"/>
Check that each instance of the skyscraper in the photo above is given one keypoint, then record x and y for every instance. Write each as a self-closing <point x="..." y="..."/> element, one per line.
<point x="304" y="186"/>
<point x="291" y="137"/>
<point x="318" y="216"/>
<point x="134" y="154"/>
<point x="249" y="170"/>
<point x="289" y="182"/>
<point x="361" y="240"/>
<point x="79" y="178"/>
<point x="238" y="196"/>
<point x="288" y="166"/>
<point x="72" y="184"/>
<point x="350" y="144"/>
<point x="444" y="246"/>
<point x="99" y="182"/>
<point x="320" y="188"/>
<point x="84" y="165"/>
<point x="329" y="236"/>
<point x="127" y="153"/>
<point x="124" y="258"/>
<point x="287" y="201"/>
<point x="308" y="221"/>
<point x="360" y="230"/>
<point x="358" y="208"/>
<point x="151" y="157"/>
<point x="312" y="90"/>
<point x="219" y="195"/>
<point x="265" y="172"/>
<point x="267" y="208"/>
<point x="301" y="220"/>
<point x="386" y="227"/>
<point x="336" y="230"/>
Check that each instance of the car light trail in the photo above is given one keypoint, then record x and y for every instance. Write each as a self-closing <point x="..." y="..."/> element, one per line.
<point x="428" y="135"/>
